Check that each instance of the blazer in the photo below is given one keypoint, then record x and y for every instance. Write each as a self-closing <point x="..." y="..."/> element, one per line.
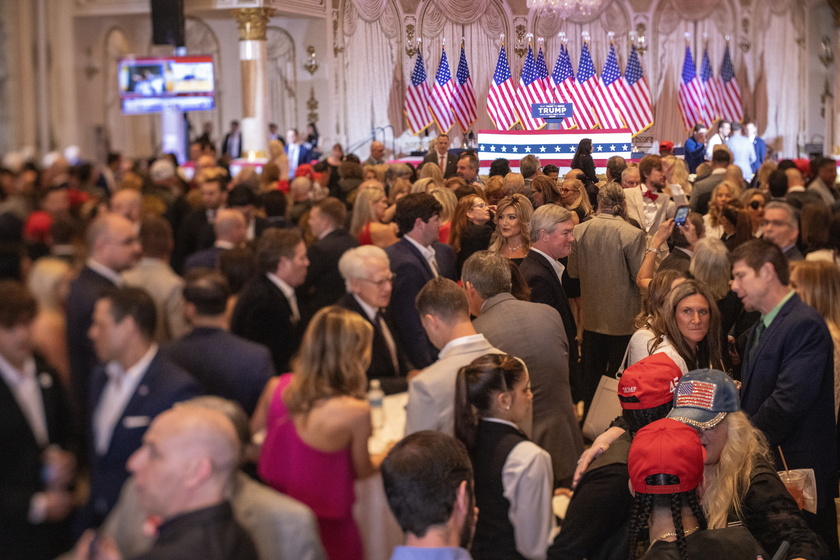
<point x="451" y="162"/>
<point x="224" y="364"/>
<point x="21" y="469"/>
<point x="381" y="365"/>
<point x="227" y="140"/>
<point x="760" y="147"/>
<point x="702" y="192"/>
<point x="665" y="208"/>
<point x="677" y="260"/>
<point x="788" y="391"/>
<point x="262" y="314"/>
<point x="192" y="235"/>
<point x="827" y="193"/>
<point x="163" y="384"/>
<point x="412" y="272"/>
<point x="535" y="333"/>
<point x="206" y="258"/>
<point x="431" y="393"/>
<point x="84" y="291"/>
<point x="324" y="285"/>
<point x="546" y="288"/>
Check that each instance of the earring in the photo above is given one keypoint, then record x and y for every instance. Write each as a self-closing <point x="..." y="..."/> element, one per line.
<point x="507" y="407"/>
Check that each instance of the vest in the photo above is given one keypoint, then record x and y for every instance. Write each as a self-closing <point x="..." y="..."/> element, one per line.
<point x="494" y="538"/>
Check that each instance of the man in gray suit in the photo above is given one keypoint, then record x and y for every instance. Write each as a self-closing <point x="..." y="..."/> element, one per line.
<point x="534" y="333"/>
<point x="702" y="191"/>
<point x="445" y="315"/>
<point x="606" y="256"/>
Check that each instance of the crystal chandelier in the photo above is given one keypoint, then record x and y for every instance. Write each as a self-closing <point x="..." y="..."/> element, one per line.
<point x="567" y="8"/>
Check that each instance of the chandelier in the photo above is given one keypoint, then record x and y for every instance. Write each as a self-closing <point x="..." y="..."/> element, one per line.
<point x="567" y="8"/>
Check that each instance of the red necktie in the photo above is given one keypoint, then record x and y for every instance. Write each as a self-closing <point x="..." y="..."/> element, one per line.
<point x="650" y="195"/>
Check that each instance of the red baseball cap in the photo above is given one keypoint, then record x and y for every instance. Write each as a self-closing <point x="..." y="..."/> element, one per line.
<point x="666" y="146"/>
<point x="648" y="383"/>
<point x="666" y="447"/>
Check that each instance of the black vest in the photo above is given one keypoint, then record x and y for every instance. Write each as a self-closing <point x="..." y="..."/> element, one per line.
<point x="494" y="538"/>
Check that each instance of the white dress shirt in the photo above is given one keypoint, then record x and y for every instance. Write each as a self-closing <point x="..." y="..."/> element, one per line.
<point x="650" y="207"/>
<point x="103" y="270"/>
<point x="555" y="264"/>
<point x="115" y="397"/>
<point x="24" y="386"/>
<point x="372" y="313"/>
<point x="429" y="254"/>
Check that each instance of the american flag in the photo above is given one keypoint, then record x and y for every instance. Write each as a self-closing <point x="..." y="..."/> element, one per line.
<point x="443" y="91"/>
<point x="636" y="96"/>
<point x="610" y="105"/>
<point x="501" y="99"/>
<point x="563" y="83"/>
<point x="730" y="93"/>
<point x="542" y="70"/>
<point x="696" y="394"/>
<point x="690" y="93"/>
<point x="417" y="98"/>
<point x="710" y="90"/>
<point x="584" y="95"/>
<point x="463" y="102"/>
<point x="530" y="91"/>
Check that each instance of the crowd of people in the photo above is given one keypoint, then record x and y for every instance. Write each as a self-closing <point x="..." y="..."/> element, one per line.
<point x="185" y="355"/>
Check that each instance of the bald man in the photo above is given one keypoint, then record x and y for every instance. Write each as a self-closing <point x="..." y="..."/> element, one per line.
<point x="113" y="247"/>
<point x="231" y="230"/>
<point x="377" y="154"/>
<point x="183" y="474"/>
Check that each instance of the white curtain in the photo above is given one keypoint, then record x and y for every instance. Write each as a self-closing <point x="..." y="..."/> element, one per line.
<point x="282" y="80"/>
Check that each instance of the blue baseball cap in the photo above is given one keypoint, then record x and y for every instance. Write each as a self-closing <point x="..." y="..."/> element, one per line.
<point x="704" y="397"/>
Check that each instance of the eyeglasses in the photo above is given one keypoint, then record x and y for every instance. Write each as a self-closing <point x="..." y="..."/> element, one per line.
<point x="567" y="191"/>
<point x="774" y="223"/>
<point x="380" y="283"/>
<point x="755" y="205"/>
<point x="480" y="206"/>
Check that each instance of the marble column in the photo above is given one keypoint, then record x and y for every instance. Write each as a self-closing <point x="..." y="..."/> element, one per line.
<point x="252" y="59"/>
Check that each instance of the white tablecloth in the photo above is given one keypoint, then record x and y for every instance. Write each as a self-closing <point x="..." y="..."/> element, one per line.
<point x="380" y="531"/>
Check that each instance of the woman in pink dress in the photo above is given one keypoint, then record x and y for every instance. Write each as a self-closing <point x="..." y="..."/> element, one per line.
<point x="318" y="423"/>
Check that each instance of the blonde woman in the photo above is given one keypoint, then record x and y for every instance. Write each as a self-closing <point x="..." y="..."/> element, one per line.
<point x="49" y="281"/>
<point x="573" y="197"/>
<point x="512" y="237"/>
<point x="431" y="171"/>
<point x="277" y="156"/>
<point x="425" y="185"/>
<point x="368" y="211"/>
<point x="723" y="193"/>
<point x="317" y="425"/>
<point x="448" y="200"/>
<point x="513" y="183"/>
<point x="676" y="177"/>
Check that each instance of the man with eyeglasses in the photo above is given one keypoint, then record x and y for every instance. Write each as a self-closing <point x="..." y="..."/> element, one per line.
<point x="369" y="282"/>
<point x="781" y="226"/>
<point x="113" y="247"/>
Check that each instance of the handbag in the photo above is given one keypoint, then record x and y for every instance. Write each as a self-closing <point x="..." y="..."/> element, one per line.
<point x="605" y="405"/>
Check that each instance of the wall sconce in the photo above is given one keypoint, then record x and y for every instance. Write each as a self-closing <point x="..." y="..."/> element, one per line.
<point x="91" y="69"/>
<point x="638" y="40"/>
<point x="744" y="42"/>
<point x="520" y="48"/>
<point x="411" y="49"/>
<point x="826" y="53"/>
<point x="311" y="64"/>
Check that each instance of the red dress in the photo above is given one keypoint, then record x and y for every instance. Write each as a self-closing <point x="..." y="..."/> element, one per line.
<point x="323" y="481"/>
<point x="364" y="235"/>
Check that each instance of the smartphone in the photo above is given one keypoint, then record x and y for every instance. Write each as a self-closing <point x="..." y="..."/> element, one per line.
<point x="682" y="215"/>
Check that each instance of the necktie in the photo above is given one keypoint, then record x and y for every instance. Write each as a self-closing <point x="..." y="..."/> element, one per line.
<point x="434" y="266"/>
<point x="389" y="341"/>
<point x="294" y="306"/>
<point x="650" y="195"/>
<point x="759" y="330"/>
<point x="442" y="163"/>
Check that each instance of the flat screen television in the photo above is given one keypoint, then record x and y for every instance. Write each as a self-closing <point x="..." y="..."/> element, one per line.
<point x="152" y="84"/>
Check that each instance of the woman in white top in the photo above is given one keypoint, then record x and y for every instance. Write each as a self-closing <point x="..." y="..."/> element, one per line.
<point x="513" y="476"/>
<point x="723" y="193"/>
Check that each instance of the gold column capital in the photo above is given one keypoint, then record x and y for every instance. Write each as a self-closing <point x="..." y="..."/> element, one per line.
<point x="252" y="22"/>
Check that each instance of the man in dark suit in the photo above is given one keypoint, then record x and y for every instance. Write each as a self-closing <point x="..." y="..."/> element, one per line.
<point x="113" y="246"/>
<point x="230" y="230"/>
<point x="243" y="197"/>
<point x="232" y="143"/>
<point x="369" y="282"/>
<point x="781" y="227"/>
<point x="135" y="384"/>
<point x="323" y="285"/>
<point x="788" y="375"/>
<point x="759" y="145"/>
<point x="36" y="465"/>
<point x="702" y="191"/>
<point x="195" y="231"/>
<point x="534" y="333"/>
<point x="267" y="310"/>
<point x="297" y="152"/>
<point x="441" y="157"/>
<point x="551" y="240"/>
<point x="415" y="259"/>
<point x="225" y="364"/>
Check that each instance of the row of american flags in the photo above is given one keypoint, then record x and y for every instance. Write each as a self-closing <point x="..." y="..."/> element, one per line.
<point x="705" y="98"/>
<point x="609" y="101"/>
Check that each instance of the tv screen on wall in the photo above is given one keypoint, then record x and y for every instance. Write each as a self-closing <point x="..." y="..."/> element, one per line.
<point x="152" y="84"/>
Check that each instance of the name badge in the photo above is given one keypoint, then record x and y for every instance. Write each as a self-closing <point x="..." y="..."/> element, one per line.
<point x="130" y="422"/>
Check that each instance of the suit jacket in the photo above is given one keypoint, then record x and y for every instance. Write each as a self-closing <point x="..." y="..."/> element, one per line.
<point x="702" y="192"/>
<point x="665" y="208"/>
<point x="546" y="288"/>
<point x="825" y="191"/>
<point x="788" y="391"/>
<point x="677" y="260"/>
<point x="167" y="290"/>
<point x="743" y="153"/>
<point x="760" y="148"/>
<point x="798" y="199"/>
<point x="224" y="364"/>
<point x="281" y="528"/>
<point x="381" y="365"/>
<point x="162" y="385"/>
<point x="262" y="314"/>
<point x="695" y="154"/>
<point x="324" y="285"/>
<point x="304" y="154"/>
<point x="227" y="141"/>
<point x="606" y="256"/>
<point x="534" y="333"/>
<point x="431" y="393"/>
<point x="21" y="469"/>
<point x="412" y="272"/>
<point x="84" y="291"/>
<point x="451" y="162"/>
<point x="191" y="236"/>
<point x="206" y="258"/>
